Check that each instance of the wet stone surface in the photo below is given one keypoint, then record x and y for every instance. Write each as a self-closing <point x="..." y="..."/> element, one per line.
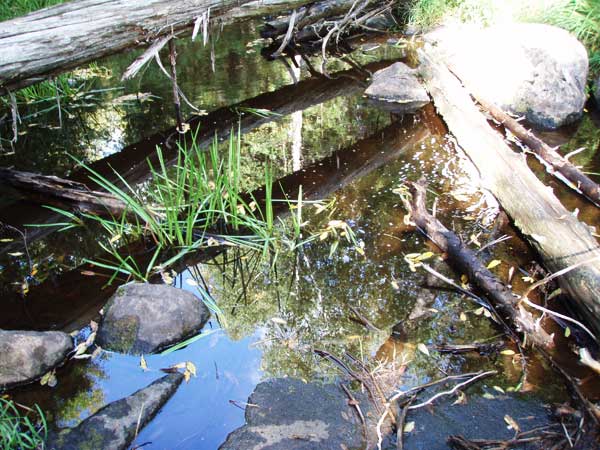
<point x="26" y="356"/>
<point x="145" y="318"/>
<point x="115" y="425"/>
<point x="289" y="414"/>
<point x="397" y="89"/>
<point x="479" y="418"/>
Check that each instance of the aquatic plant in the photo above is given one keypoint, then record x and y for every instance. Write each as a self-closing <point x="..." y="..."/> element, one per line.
<point x="18" y="431"/>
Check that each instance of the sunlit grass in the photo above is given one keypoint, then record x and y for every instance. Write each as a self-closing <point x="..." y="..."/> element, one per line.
<point x="15" y="8"/>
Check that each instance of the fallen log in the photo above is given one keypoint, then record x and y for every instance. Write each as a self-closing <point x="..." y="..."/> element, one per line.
<point x="466" y="262"/>
<point x="66" y="194"/>
<point x="571" y="175"/>
<point x="52" y="40"/>
<point x="559" y="238"/>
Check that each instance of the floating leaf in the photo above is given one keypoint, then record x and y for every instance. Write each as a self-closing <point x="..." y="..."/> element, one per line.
<point x="499" y="389"/>
<point x="423" y="348"/>
<point x="507" y="352"/>
<point x="187" y="376"/>
<point x="143" y="364"/>
<point x="190" y="367"/>
<point x="512" y="423"/>
<point x="115" y="238"/>
<point x="395" y="285"/>
<point x="461" y="398"/>
<point x="554" y="293"/>
<point x="567" y="332"/>
<point x="488" y="396"/>
<point x="409" y="427"/>
<point x="191" y="282"/>
<point x="16" y="254"/>
<point x="479" y="311"/>
<point x="463" y="317"/>
<point x="494" y="263"/>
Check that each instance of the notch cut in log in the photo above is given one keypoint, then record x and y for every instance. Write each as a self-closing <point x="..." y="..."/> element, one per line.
<point x="466" y="262"/>
<point x="52" y="40"/>
<point x="558" y="237"/>
<point x="571" y="175"/>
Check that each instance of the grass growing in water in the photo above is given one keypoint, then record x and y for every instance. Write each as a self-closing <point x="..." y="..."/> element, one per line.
<point x="18" y="431"/>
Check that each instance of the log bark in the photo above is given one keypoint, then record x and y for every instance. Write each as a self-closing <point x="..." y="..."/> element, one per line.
<point x="67" y="194"/>
<point x="52" y="40"/>
<point x="466" y="261"/>
<point x="548" y="156"/>
<point x="559" y="238"/>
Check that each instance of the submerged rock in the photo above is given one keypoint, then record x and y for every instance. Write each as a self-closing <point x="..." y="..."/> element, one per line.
<point x="533" y="70"/>
<point x="114" y="426"/>
<point x="293" y="415"/>
<point x="145" y="318"/>
<point x="478" y="418"/>
<point x="397" y="89"/>
<point x="26" y="356"/>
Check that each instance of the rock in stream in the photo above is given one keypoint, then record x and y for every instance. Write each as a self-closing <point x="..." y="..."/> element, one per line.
<point x="532" y="70"/>
<point x="292" y="415"/>
<point x="26" y="356"/>
<point x="145" y="318"/>
<point x="397" y="89"/>
<point x="114" y="426"/>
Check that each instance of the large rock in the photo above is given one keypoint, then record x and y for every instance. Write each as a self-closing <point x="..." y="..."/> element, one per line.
<point x="293" y="415"/>
<point x="114" y="426"/>
<point x="145" y="318"/>
<point x="478" y="418"/>
<point x="533" y="70"/>
<point x="397" y="89"/>
<point x="26" y="356"/>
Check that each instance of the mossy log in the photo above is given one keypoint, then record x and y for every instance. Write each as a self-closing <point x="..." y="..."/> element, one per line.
<point x="559" y="238"/>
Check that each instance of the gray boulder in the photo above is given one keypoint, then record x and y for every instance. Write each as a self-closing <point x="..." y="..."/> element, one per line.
<point x="532" y="70"/>
<point x="145" y="318"/>
<point x="397" y="89"/>
<point x="478" y="418"/>
<point x="26" y="356"/>
<point x="114" y="426"/>
<point x="293" y="415"/>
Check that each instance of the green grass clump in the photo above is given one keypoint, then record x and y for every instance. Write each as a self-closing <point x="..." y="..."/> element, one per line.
<point x="18" y="431"/>
<point x="10" y="9"/>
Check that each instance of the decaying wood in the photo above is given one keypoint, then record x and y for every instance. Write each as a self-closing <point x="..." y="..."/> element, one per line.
<point x="62" y="37"/>
<point x="467" y="262"/>
<point x="549" y="156"/>
<point x="63" y="193"/>
<point x="559" y="238"/>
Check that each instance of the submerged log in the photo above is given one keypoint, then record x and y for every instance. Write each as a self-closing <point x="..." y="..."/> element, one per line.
<point x="55" y="191"/>
<point x="466" y="261"/>
<point x="49" y="41"/>
<point x="559" y="238"/>
<point x="570" y="173"/>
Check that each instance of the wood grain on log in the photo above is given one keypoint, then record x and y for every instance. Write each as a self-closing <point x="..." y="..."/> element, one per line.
<point x="559" y="238"/>
<point x="62" y="37"/>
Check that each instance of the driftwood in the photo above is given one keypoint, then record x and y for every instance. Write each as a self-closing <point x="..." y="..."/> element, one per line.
<point x="467" y="262"/>
<point x="52" y="40"/>
<point x="548" y="156"/>
<point x="63" y="193"/>
<point x="559" y="238"/>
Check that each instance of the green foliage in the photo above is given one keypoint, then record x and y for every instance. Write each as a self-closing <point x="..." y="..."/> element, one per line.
<point x="18" y="431"/>
<point x="15" y="8"/>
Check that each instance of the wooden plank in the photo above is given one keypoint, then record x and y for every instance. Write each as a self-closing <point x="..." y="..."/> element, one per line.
<point x="559" y="238"/>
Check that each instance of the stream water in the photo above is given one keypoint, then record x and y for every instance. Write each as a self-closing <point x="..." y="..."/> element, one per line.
<point x="326" y="137"/>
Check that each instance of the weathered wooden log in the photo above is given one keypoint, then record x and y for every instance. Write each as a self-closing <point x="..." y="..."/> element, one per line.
<point x="52" y="40"/>
<point x="466" y="262"/>
<point x="548" y="156"/>
<point x="67" y="194"/>
<point x="559" y="238"/>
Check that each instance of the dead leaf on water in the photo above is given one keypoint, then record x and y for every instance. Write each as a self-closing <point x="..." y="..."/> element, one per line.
<point x="409" y="427"/>
<point x="494" y="263"/>
<point x="143" y="363"/>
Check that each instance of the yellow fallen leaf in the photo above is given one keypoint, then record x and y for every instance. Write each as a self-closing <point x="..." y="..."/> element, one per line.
<point x="395" y="284"/>
<point x="494" y="263"/>
<point x="409" y="427"/>
<point x="463" y="317"/>
<point x="143" y="364"/>
<point x="423" y="348"/>
<point x="190" y="367"/>
<point x="507" y="352"/>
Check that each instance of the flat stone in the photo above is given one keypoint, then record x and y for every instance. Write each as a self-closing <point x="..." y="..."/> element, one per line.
<point x="479" y="418"/>
<point x="26" y="356"/>
<point x="293" y="415"/>
<point x="143" y="318"/>
<point x="114" y="426"/>
<point x="397" y="89"/>
<point x="533" y="70"/>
